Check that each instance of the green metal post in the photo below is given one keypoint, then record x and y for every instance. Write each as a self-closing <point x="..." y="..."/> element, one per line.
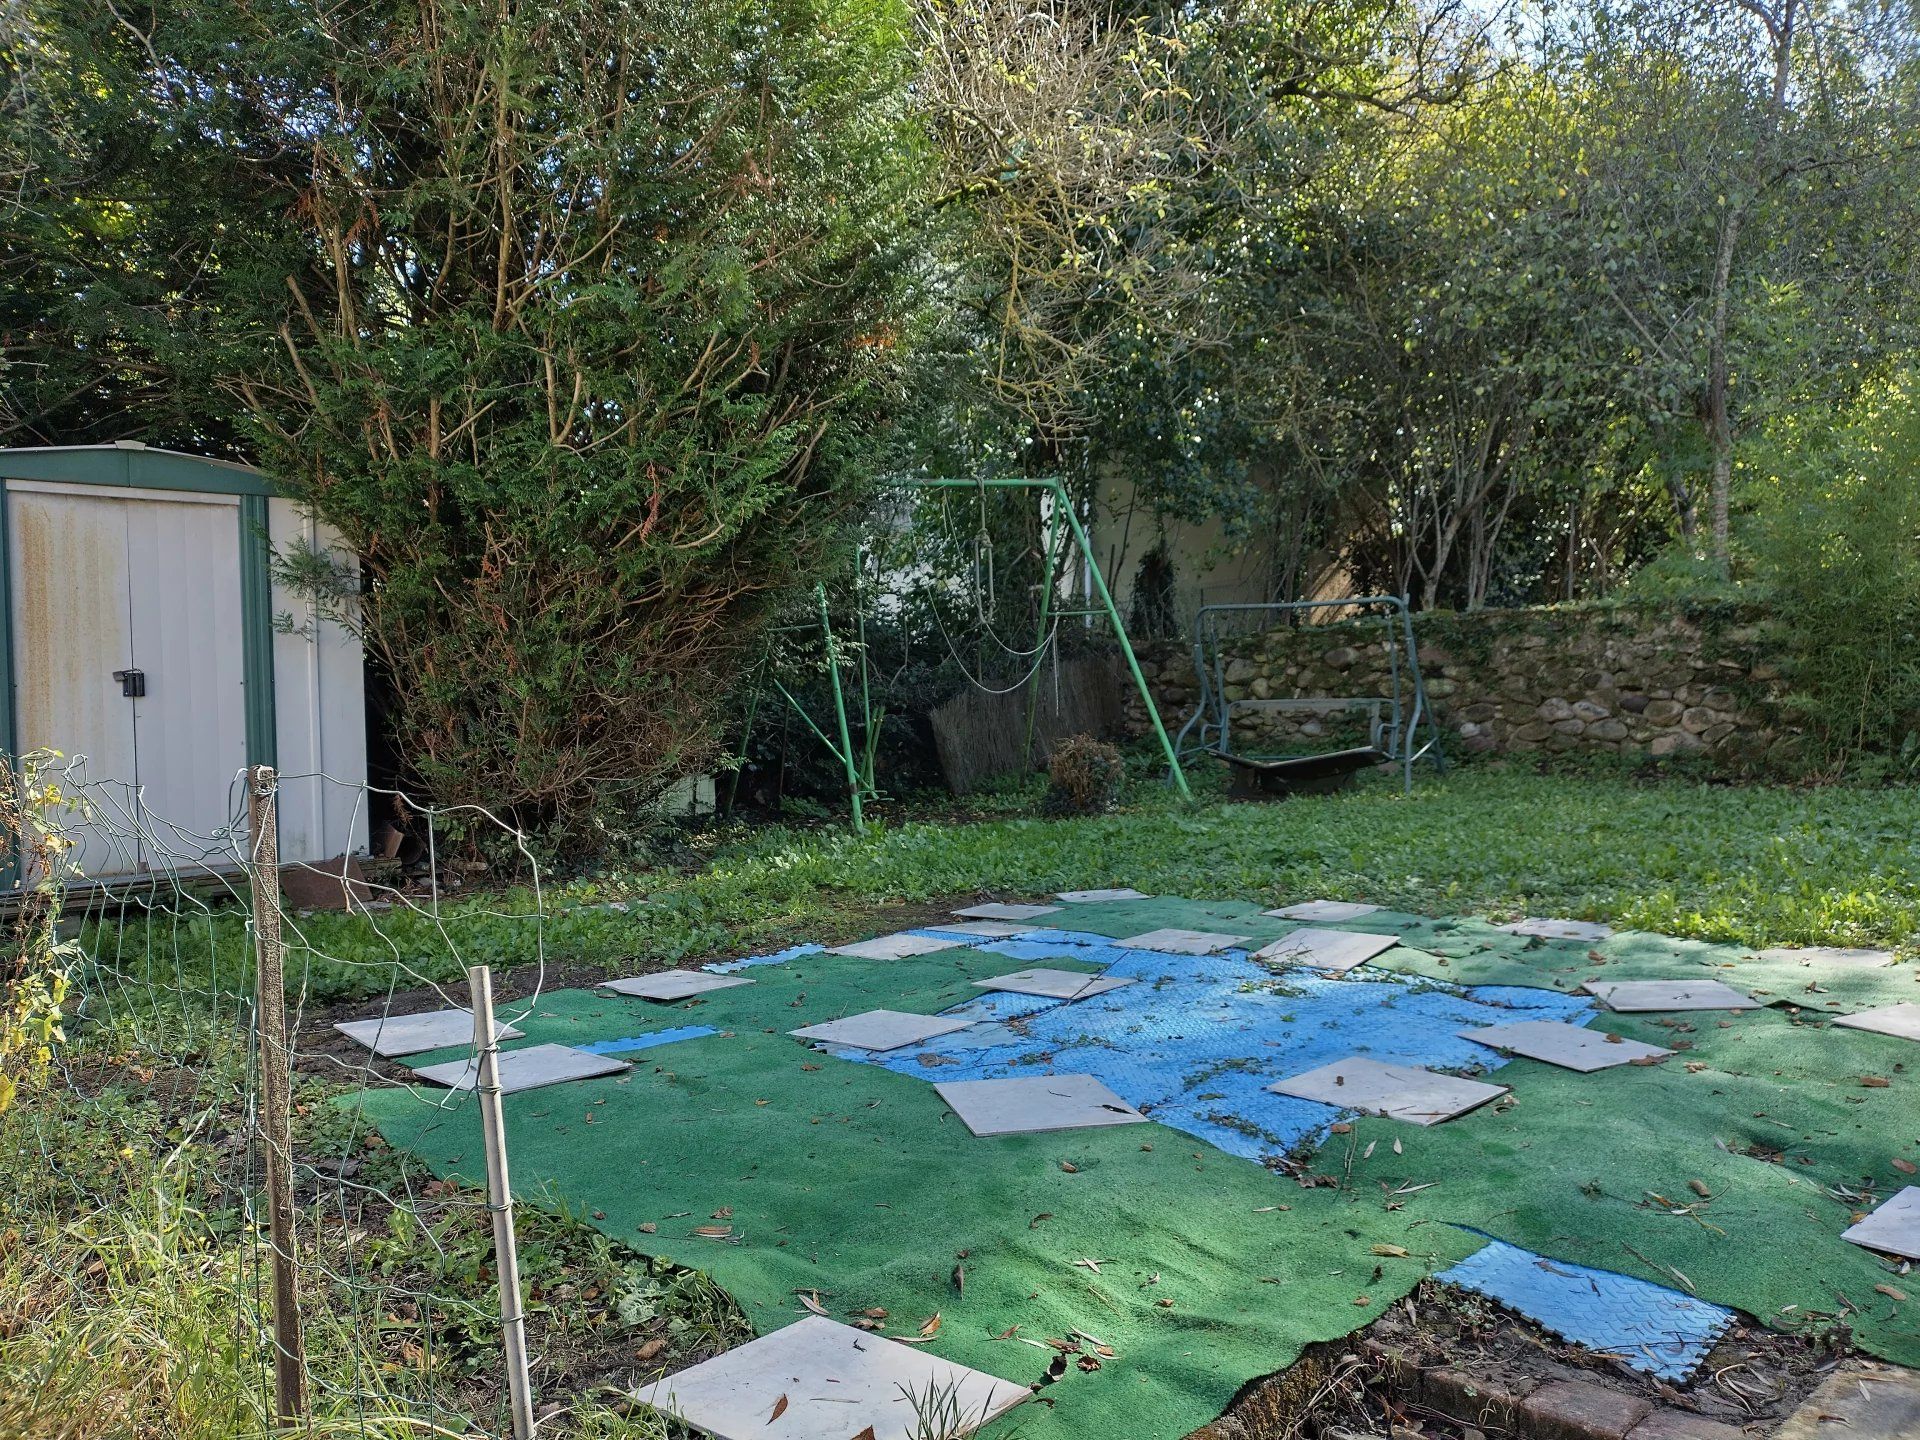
<point x="1040" y="632"/>
<point x="1178" y="775"/>
<point x="840" y="712"/>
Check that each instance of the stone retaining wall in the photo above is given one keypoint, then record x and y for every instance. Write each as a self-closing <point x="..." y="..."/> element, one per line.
<point x="1616" y="679"/>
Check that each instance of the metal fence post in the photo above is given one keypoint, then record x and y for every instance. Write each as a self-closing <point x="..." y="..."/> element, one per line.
<point x="506" y="1256"/>
<point x="270" y="1001"/>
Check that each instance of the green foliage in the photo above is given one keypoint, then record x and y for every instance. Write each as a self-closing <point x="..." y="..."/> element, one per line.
<point x="33" y="984"/>
<point x="1835" y="543"/>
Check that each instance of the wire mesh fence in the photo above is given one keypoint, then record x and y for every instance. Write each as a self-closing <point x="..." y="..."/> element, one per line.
<point x="136" y="1205"/>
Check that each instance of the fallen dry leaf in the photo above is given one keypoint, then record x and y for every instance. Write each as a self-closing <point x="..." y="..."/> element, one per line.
<point x="1905" y="1167"/>
<point x="1069" y="1167"/>
<point x="713" y="1232"/>
<point x="931" y="1328"/>
<point x="646" y="1227"/>
<point x="779" y="1409"/>
<point x="1396" y="1252"/>
<point x="1700" y="1188"/>
<point x="649" y="1350"/>
<point x="1874" y="1082"/>
<point x="1890" y="1292"/>
<point x="812" y="1302"/>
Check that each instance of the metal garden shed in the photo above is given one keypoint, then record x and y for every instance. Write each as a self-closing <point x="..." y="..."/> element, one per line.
<point x="145" y="631"/>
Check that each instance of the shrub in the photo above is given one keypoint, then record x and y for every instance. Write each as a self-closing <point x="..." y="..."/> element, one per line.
<point x="1084" y="776"/>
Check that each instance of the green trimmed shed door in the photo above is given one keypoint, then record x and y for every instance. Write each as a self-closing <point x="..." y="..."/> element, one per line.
<point x="128" y="650"/>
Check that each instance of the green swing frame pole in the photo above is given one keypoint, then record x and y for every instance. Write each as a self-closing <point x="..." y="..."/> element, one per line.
<point x="1040" y="633"/>
<point x="840" y="711"/>
<point x="1059" y="492"/>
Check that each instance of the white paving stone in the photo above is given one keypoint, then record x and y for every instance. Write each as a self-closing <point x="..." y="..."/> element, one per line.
<point x="1901" y="1021"/>
<point x="1054" y="984"/>
<point x="837" y="1382"/>
<point x="989" y="929"/>
<point x="1645" y="995"/>
<point x="1400" y="1092"/>
<point x="1893" y="1227"/>
<point x="1337" y="951"/>
<point x="1331" y="910"/>
<point x="1033" y="1103"/>
<point x="1545" y="929"/>
<point x="1182" y="942"/>
<point x="881" y="1029"/>
<point x="898" y="946"/>
<point x="392" y="1035"/>
<point x="527" y="1069"/>
<point x="1094" y="897"/>
<point x="1845" y="956"/>
<point x="997" y="911"/>
<point x="1572" y="1047"/>
<point x="671" y="985"/>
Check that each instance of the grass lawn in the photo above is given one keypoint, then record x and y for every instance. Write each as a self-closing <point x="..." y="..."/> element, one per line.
<point x="1746" y="865"/>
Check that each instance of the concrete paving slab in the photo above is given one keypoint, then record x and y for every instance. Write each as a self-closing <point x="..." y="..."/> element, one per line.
<point x="1893" y="1227"/>
<point x="1335" y="951"/>
<point x="1572" y="1047"/>
<point x="1399" y="1092"/>
<point x="528" y="1069"/>
<point x="1547" y="929"/>
<point x="392" y="1035"/>
<point x="987" y="929"/>
<point x="881" y="1029"/>
<point x="1637" y="996"/>
<point x="897" y="946"/>
<point x="1094" y="897"/>
<point x="671" y="985"/>
<point x="1331" y="910"/>
<point x="1054" y="984"/>
<point x="1901" y="1021"/>
<point x="1036" y="1103"/>
<point x="1182" y="942"/>
<point x="1846" y="956"/>
<point x="997" y="911"/>
<point x="835" y="1382"/>
<point x="1862" y="1402"/>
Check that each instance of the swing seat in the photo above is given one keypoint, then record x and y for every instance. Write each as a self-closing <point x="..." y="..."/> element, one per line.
<point x="1299" y="775"/>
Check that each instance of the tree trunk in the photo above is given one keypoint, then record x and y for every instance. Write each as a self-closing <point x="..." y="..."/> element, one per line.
<point x="1719" y="418"/>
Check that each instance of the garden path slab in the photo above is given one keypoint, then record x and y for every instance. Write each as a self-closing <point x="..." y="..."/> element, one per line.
<point x="1639" y="996"/>
<point x="986" y="929"/>
<point x="1893" y="1227"/>
<point x="1540" y="928"/>
<point x="1054" y="984"/>
<point x="880" y="1029"/>
<point x="1572" y="1047"/>
<point x="1901" y="1021"/>
<point x="996" y="910"/>
<point x="898" y="946"/>
<point x="1095" y="897"/>
<point x="394" y="1035"/>
<point x="672" y="985"/>
<point x="835" y="1381"/>
<point x="1845" y="955"/>
<point x="1174" y="941"/>
<point x="1335" y="951"/>
<point x="1398" y="1092"/>
<point x="1331" y="910"/>
<point x="1036" y="1103"/>
<point x="533" y="1068"/>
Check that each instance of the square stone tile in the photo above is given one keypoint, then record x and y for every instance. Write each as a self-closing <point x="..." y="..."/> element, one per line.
<point x="1901" y="1021"/>
<point x="1400" y="1092"/>
<point x="837" y="1382"/>
<point x="1330" y="910"/>
<point x="988" y="929"/>
<point x="998" y="911"/>
<point x="1558" y="929"/>
<point x="1093" y="897"/>
<point x="1572" y="1047"/>
<point x="898" y="946"/>
<point x="881" y="1029"/>
<point x="1846" y="956"/>
<point x="1033" y="1103"/>
<point x="1859" y="1401"/>
<point x="528" y="1069"/>
<point x="1182" y="942"/>
<point x="672" y="984"/>
<point x="1893" y="1227"/>
<point x="1055" y="984"/>
<point x="392" y="1035"/>
<point x="1336" y="951"/>
<point x="1630" y="996"/>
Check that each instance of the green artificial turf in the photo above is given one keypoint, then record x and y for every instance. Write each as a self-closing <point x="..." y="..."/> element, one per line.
<point x="856" y="1183"/>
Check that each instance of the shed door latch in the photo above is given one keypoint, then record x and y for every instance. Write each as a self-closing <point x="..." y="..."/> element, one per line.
<point x="133" y="683"/>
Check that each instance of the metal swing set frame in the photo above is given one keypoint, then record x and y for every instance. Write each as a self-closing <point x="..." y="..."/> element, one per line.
<point x="1063" y="527"/>
<point x="1394" y="721"/>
